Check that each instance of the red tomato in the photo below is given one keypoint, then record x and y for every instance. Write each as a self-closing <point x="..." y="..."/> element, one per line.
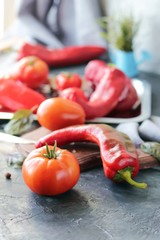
<point x="50" y="171"/>
<point x="56" y="113"/>
<point x="66" y="80"/>
<point x="30" y="70"/>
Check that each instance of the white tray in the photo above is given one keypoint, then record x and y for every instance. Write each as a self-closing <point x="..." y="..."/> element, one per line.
<point x="143" y="89"/>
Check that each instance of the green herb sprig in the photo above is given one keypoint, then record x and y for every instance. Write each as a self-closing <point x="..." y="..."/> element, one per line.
<point x="119" y="32"/>
<point x="20" y="123"/>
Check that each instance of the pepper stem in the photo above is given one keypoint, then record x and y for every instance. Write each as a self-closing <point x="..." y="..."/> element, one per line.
<point x="125" y="174"/>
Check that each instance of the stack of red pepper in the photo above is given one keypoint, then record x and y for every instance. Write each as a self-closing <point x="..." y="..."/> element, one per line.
<point x="112" y="91"/>
<point x="32" y="70"/>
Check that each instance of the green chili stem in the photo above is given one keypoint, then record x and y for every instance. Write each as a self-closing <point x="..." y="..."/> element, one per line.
<point x="126" y="175"/>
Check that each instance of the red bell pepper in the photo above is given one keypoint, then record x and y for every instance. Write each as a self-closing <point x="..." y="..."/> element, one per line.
<point x="105" y="97"/>
<point x="61" y="57"/>
<point x="95" y="70"/>
<point x="118" y="153"/>
<point x="131" y="99"/>
<point x="15" y="95"/>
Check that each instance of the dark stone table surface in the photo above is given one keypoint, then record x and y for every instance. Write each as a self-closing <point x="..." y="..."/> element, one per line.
<point x="95" y="209"/>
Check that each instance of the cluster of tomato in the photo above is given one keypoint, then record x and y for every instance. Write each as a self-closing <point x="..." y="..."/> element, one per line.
<point x="19" y="89"/>
<point x="56" y="113"/>
<point x="48" y="170"/>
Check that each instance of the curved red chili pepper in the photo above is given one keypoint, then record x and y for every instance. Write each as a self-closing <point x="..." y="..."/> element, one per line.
<point x="118" y="153"/>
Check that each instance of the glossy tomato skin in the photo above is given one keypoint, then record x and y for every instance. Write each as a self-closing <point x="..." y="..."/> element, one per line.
<point x="53" y="176"/>
<point x="56" y="113"/>
<point x="67" y="80"/>
<point x="31" y="70"/>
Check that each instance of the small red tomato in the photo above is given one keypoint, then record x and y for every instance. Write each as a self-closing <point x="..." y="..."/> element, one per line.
<point x="56" y="113"/>
<point x="67" y="80"/>
<point x="50" y="170"/>
<point x="31" y="70"/>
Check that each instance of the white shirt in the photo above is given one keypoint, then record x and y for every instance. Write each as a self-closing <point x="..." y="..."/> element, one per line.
<point x="74" y="22"/>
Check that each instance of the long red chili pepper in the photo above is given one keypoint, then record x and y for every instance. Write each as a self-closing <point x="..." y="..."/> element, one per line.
<point x="105" y="97"/>
<point x="15" y="95"/>
<point x="62" y="57"/>
<point x="118" y="153"/>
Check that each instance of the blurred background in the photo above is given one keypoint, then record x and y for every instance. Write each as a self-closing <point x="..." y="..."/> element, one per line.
<point x="145" y="11"/>
<point x="7" y="15"/>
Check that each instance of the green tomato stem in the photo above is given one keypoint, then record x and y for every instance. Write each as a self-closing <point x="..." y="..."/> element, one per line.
<point x="31" y="63"/>
<point x="51" y="153"/>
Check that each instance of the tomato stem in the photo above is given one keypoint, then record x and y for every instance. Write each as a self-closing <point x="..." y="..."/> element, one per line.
<point x="51" y="153"/>
<point x="67" y="74"/>
<point x="31" y="62"/>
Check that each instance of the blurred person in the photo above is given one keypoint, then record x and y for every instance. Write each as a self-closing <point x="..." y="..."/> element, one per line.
<point x="58" y="23"/>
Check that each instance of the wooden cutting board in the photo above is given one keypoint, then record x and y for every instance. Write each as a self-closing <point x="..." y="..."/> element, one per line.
<point x="88" y="154"/>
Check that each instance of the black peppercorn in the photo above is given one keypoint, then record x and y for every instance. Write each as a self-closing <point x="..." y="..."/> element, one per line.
<point x="8" y="175"/>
